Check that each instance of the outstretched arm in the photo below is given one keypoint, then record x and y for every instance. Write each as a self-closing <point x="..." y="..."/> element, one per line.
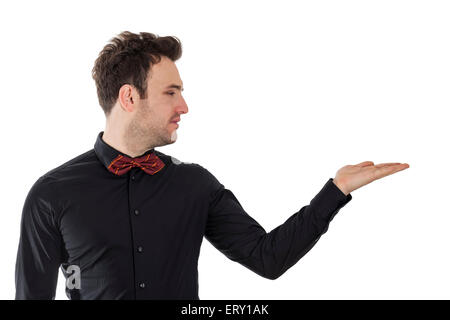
<point x="242" y="239"/>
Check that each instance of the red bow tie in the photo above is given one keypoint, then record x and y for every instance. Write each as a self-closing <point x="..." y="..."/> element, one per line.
<point x="150" y="163"/>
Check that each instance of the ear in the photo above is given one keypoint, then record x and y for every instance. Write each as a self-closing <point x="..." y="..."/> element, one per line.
<point x="127" y="97"/>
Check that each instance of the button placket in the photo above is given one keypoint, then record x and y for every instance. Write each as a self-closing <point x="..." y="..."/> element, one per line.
<point x="141" y="285"/>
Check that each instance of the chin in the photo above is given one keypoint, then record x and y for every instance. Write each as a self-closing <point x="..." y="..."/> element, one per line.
<point x="173" y="136"/>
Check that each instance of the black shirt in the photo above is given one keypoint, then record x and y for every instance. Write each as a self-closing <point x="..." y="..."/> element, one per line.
<point x="138" y="236"/>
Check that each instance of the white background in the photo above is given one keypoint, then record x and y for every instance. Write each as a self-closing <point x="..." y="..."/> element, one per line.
<point x="280" y="95"/>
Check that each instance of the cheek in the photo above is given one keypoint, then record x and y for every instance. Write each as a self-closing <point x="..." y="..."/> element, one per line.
<point x="146" y="113"/>
<point x="157" y="114"/>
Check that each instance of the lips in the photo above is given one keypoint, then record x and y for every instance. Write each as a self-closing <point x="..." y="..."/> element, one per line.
<point x="175" y="122"/>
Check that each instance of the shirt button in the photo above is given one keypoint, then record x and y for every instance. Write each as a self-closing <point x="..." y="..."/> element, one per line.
<point x="140" y="249"/>
<point x="132" y="177"/>
<point x="136" y="212"/>
<point x="142" y="285"/>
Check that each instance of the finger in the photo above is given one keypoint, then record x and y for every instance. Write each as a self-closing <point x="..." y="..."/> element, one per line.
<point x="381" y="165"/>
<point x="365" y="164"/>
<point x="389" y="169"/>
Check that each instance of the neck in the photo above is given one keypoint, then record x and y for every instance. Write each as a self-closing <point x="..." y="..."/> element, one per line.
<point x="122" y="142"/>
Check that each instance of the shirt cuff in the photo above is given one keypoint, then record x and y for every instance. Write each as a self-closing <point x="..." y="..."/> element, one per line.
<point x="329" y="200"/>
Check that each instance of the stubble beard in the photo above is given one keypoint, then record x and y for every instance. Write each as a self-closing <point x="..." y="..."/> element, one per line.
<point x="146" y="132"/>
<point x="150" y="135"/>
<point x="173" y="136"/>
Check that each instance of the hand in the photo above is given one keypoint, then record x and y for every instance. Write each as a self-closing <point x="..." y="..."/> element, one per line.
<point x="350" y="178"/>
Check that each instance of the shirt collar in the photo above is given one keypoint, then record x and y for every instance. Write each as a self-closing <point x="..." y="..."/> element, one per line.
<point x="107" y="154"/>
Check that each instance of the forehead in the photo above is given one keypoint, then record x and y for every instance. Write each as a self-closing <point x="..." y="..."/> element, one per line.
<point x="164" y="73"/>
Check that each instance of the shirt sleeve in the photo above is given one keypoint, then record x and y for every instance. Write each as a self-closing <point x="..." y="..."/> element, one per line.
<point x="242" y="239"/>
<point x="39" y="252"/>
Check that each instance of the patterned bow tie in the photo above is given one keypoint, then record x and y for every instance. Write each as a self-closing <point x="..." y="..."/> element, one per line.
<point x="150" y="163"/>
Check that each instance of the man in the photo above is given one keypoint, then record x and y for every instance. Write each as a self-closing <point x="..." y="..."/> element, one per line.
<point x="125" y="221"/>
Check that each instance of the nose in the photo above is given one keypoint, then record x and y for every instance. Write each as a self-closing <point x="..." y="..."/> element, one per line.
<point x="183" y="108"/>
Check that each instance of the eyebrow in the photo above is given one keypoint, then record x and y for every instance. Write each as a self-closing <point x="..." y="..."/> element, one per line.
<point x="175" y="86"/>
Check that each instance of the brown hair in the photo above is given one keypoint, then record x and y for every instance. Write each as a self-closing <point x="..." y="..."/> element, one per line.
<point x="127" y="59"/>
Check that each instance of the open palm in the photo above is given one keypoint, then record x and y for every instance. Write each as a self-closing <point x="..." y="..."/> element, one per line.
<point x="352" y="177"/>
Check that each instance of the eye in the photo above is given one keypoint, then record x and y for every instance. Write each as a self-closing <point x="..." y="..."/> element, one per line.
<point x="171" y="93"/>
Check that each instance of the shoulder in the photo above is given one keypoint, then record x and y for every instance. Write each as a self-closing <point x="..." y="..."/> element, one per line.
<point x="193" y="170"/>
<point x="76" y="163"/>
<point x="39" y="204"/>
<point x="171" y="160"/>
<point x="48" y="184"/>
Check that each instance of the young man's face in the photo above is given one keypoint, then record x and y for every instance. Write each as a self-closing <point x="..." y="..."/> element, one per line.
<point x="155" y="115"/>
